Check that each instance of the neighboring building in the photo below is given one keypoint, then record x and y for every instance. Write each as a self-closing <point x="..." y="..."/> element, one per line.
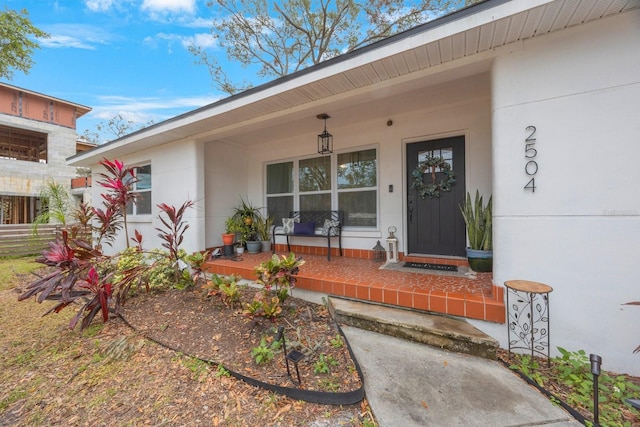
<point x="37" y="134"/>
<point x="521" y="95"/>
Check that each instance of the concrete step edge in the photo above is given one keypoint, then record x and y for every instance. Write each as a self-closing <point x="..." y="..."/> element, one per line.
<point x="414" y="327"/>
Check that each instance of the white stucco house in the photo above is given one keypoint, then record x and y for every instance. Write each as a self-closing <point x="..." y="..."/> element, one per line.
<point x="536" y="102"/>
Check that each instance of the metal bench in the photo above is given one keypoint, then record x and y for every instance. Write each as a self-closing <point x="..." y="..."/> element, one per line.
<point x="318" y="218"/>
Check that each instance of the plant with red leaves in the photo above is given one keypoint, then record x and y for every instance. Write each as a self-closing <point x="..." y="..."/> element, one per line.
<point x="173" y="232"/>
<point x="109" y="222"/>
<point x="119" y="181"/>
<point x="84" y="273"/>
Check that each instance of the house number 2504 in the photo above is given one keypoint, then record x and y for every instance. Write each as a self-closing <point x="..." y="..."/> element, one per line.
<point x="530" y="153"/>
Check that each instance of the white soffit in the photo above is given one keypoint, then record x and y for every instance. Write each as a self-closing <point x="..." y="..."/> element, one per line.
<point x="415" y="51"/>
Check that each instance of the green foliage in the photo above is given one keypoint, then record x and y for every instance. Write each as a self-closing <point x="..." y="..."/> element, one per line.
<point x="337" y="341"/>
<point x="222" y="372"/>
<point x="263" y="306"/>
<point x="329" y="384"/>
<point x="56" y="205"/>
<point x="264" y="353"/>
<point x="278" y="38"/>
<point x="321" y="366"/>
<point x="224" y="287"/>
<point x="263" y="226"/>
<point x="477" y="217"/>
<point x="279" y="272"/>
<point x="573" y="370"/>
<point x="17" y="42"/>
<point x="529" y="367"/>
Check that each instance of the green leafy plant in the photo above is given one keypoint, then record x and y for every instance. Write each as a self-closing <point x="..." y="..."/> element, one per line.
<point x="478" y="219"/>
<point x="279" y="273"/>
<point x="263" y="305"/>
<point x="264" y="353"/>
<point x="337" y="341"/>
<point x="222" y="372"/>
<point x="56" y="207"/>
<point x="321" y="366"/>
<point x="329" y="384"/>
<point x="572" y="370"/>
<point x="263" y="226"/>
<point x="230" y="292"/>
<point x="224" y="287"/>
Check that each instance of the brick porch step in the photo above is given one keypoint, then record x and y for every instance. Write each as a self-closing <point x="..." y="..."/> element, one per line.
<point x="438" y="331"/>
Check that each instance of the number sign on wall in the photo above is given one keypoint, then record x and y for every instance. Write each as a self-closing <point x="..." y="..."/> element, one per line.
<point x="530" y="153"/>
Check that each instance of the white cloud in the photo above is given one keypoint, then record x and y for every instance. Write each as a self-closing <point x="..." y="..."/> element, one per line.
<point x="79" y="36"/>
<point x="141" y="110"/>
<point x="99" y="5"/>
<point x="168" y="6"/>
<point x="201" y="40"/>
<point x="58" y="41"/>
<point x="204" y="40"/>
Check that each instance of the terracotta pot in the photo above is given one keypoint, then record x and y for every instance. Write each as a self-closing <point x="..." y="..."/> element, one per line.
<point x="227" y="239"/>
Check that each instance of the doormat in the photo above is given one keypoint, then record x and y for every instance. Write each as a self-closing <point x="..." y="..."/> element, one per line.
<point x="430" y="266"/>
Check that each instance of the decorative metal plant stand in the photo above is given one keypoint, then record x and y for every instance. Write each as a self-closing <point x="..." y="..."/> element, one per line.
<point x="528" y="317"/>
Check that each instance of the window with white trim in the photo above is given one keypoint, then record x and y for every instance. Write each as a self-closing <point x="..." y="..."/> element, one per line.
<point x="345" y="181"/>
<point x="142" y="189"/>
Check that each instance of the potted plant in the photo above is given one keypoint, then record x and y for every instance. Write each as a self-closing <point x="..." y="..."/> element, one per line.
<point x="478" y="219"/>
<point x="246" y="212"/>
<point x="244" y="218"/>
<point x="232" y="227"/>
<point x="263" y="228"/>
<point x="250" y="237"/>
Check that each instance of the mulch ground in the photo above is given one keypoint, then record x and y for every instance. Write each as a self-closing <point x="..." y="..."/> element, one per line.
<point x="205" y="327"/>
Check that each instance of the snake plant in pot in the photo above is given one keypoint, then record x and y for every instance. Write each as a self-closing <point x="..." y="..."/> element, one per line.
<point x="478" y="219"/>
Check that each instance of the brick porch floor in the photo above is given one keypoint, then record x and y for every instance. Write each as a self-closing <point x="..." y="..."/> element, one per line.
<point x="356" y="277"/>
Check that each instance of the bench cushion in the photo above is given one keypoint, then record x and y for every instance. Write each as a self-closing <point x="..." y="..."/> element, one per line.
<point x="304" y="228"/>
<point x="288" y="225"/>
<point x="330" y="227"/>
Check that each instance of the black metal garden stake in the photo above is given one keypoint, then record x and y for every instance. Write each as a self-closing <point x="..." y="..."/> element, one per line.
<point x="294" y="355"/>
<point x="596" y="361"/>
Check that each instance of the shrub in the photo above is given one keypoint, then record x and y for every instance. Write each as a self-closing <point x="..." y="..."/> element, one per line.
<point x="101" y="283"/>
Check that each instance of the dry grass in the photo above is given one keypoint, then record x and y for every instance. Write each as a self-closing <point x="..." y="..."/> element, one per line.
<point x="109" y="376"/>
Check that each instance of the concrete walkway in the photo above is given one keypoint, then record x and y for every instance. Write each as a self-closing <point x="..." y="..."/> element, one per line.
<point x="411" y="384"/>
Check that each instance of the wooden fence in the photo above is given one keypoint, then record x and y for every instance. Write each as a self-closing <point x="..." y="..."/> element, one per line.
<point x="18" y="240"/>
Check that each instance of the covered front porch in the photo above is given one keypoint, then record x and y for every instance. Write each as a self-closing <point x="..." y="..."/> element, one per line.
<point x="357" y="275"/>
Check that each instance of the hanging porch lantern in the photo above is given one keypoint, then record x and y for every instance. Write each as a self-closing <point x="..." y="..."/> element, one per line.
<point x="325" y="139"/>
<point x="392" y="245"/>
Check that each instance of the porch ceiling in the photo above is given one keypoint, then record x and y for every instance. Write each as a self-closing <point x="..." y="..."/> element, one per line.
<point x="449" y="48"/>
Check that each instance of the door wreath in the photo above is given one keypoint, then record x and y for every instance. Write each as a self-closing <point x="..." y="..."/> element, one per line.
<point x="433" y="188"/>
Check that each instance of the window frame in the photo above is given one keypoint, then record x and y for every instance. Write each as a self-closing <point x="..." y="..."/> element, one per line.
<point x="134" y="209"/>
<point x="334" y="191"/>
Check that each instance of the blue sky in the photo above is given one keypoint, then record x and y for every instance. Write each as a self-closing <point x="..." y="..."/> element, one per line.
<point x="124" y="57"/>
<point x="127" y="57"/>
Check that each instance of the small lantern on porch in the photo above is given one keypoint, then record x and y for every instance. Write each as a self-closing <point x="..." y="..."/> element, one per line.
<point x="392" y="245"/>
<point x="378" y="252"/>
<point x="325" y="139"/>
